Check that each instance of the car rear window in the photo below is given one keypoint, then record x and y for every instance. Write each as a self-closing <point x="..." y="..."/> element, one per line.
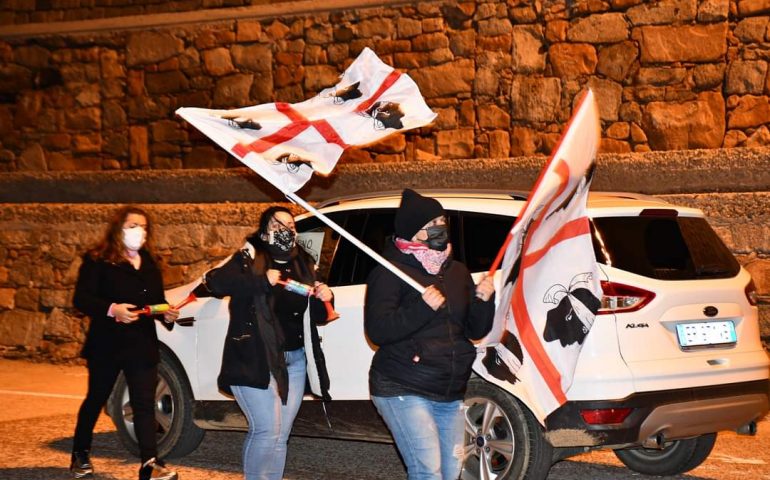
<point x="663" y="247"/>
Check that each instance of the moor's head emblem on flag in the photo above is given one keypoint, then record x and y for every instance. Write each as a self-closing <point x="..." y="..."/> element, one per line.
<point x="504" y="360"/>
<point x="293" y="162"/>
<point x="343" y="94"/>
<point x="241" y="121"/>
<point x="386" y="115"/>
<point x="575" y="311"/>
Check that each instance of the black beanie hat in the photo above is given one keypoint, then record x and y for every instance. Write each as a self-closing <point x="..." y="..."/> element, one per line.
<point x="414" y="212"/>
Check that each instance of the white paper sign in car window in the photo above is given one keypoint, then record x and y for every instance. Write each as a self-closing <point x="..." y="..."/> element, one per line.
<point x="312" y="243"/>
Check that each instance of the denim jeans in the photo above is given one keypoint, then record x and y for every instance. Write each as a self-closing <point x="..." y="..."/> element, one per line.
<point x="264" y="451"/>
<point x="428" y="434"/>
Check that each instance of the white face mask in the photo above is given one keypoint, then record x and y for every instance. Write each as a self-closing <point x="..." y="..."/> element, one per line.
<point x="133" y="238"/>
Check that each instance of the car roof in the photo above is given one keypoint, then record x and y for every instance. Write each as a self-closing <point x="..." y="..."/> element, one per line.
<point x="600" y="204"/>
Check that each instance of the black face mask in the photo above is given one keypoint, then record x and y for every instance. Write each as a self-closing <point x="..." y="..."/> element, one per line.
<point x="438" y="237"/>
<point x="283" y="239"/>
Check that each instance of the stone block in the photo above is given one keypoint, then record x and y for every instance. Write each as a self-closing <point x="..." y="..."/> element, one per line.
<point x="689" y="43"/>
<point x="527" y="53"/>
<point x="21" y="328"/>
<point x="147" y="47"/>
<point x="746" y="77"/>
<point x="318" y="77"/>
<point x="218" y="62"/>
<point x="379" y="27"/>
<point x="660" y="76"/>
<point x="455" y="143"/>
<point x="748" y="8"/>
<point x="499" y="144"/>
<point x="492" y="116"/>
<point x="663" y="12"/>
<point x="599" y="28"/>
<point x="610" y="145"/>
<point x="319" y="35"/>
<point x="447" y="79"/>
<point x="32" y="159"/>
<point x="572" y="60"/>
<point x="750" y="111"/>
<point x="608" y="97"/>
<point x="7" y="298"/>
<point x="693" y="124"/>
<point x="231" y="90"/>
<point x="535" y="99"/>
<point x="713" y="10"/>
<point x="708" y="76"/>
<point x="494" y="27"/>
<point x="408" y="27"/>
<point x="248" y="31"/>
<point x="616" y="61"/>
<point x="62" y="326"/>
<point x="751" y="30"/>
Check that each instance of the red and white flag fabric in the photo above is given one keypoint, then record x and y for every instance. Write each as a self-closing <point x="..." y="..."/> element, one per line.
<point x="550" y="286"/>
<point x="285" y="143"/>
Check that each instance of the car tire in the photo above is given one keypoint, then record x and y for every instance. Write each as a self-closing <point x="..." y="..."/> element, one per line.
<point x="177" y="433"/>
<point x="503" y="440"/>
<point x="676" y="457"/>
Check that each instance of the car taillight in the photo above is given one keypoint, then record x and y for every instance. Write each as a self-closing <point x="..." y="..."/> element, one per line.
<point x="619" y="298"/>
<point x="605" y="416"/>
<point x="751" y="293"/>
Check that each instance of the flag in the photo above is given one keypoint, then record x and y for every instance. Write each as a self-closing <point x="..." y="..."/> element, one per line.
<point x="285" y="143"/>
<point x="550" y="287"/>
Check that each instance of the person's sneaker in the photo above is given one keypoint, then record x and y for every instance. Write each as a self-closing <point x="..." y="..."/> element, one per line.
<point x="80" y="466"/>
<point x="154" y="469"/>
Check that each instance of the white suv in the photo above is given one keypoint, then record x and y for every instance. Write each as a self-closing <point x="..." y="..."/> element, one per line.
<point x="674" y="356"/>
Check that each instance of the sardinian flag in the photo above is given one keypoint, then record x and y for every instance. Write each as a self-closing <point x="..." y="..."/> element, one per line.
<point x="551" y="290"/>
<point x="285" y="143"/>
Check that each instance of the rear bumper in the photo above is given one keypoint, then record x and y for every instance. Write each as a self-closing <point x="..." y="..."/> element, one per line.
<point x="662" y="416"/>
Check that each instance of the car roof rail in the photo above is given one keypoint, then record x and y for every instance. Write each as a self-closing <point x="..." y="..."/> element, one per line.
<point x="432" y="192"/>
<point x="631" y="196"/>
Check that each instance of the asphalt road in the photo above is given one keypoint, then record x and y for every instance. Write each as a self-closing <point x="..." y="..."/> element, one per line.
<point x="39" y="402"/>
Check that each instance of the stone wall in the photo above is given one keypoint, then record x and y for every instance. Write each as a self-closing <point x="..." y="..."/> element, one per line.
<point x="502" y="76"/>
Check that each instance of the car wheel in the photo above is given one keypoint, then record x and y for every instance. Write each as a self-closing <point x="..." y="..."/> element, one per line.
<point x="676" y="457"/>
<point x="177" y="434"/>
<point x="503" y="440"/>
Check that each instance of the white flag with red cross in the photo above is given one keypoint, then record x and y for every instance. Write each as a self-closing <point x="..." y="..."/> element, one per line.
<point x="285" y="143"/>
<point x="551" y="290"/>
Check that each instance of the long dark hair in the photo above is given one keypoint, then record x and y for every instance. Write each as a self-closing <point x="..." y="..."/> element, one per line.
<point x="111" y="248"/>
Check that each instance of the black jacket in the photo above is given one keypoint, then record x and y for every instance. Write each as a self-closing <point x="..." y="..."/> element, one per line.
<point x="254" y="343"/>
<point x="101" y="284"/>
<point x="426" y="352"/>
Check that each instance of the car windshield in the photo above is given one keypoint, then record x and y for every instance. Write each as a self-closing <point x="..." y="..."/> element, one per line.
<point x="663" y="247"/>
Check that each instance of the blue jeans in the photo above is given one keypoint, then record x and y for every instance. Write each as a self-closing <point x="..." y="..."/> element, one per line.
<point x="428" y="434"/>
<point x="264" y="451"/>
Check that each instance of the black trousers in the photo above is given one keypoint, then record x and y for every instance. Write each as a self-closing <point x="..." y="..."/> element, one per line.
<point x="141" y="381"/>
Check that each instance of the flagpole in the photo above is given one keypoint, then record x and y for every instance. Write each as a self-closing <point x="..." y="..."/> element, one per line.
<point x="379" y="258"/>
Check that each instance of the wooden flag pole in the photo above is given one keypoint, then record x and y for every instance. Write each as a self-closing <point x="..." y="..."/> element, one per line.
<point x="337" y="228"/>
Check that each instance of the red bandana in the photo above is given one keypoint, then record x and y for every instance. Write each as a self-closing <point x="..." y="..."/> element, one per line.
<point x="431" y="260"/>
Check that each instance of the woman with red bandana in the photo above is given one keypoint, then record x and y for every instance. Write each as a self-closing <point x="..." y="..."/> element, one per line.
<point x="420" y="372"/>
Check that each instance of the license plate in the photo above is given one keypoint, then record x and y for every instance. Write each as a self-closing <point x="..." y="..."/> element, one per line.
<point x="705" y="334"/>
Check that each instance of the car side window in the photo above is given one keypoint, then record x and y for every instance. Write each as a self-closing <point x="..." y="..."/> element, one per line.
<point x="320" y="241"/>
<point x="483" y="235"/>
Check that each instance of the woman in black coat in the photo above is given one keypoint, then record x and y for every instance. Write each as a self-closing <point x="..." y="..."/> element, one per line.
<point x="272" y="342"/>
<point x="117" y="276"/>
<point x="420" y="372"/>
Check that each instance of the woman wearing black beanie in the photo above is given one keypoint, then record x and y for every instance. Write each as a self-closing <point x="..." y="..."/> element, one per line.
<point x="419" y="373"/>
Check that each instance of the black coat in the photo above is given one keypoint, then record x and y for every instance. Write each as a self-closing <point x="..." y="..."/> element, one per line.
<point x="100" y="284"/>
<point x="427" y="352"/>
<point x="254" y="343"/>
